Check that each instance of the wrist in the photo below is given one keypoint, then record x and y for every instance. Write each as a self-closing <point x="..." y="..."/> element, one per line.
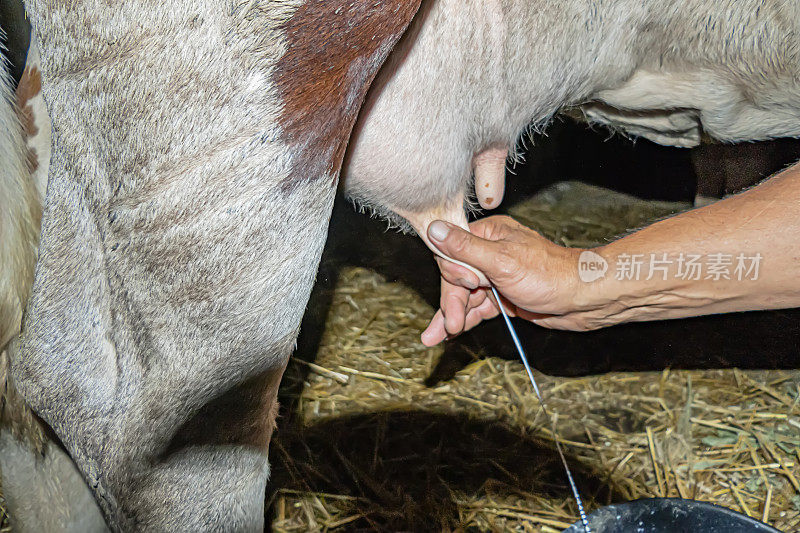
<point x="596" y="291"/>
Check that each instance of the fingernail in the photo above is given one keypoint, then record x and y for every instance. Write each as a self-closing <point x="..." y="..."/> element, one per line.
<point x="438" y="230"/>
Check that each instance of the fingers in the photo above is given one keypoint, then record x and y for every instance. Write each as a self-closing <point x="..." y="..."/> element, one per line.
<point x="489" y="257"/>
<point x="484" y="311"/>
<point x="449" y="319"/>
<point x="495" y="228"/>
<point x="454" y="302"/>
<point x="457" y="274"/>
<point x="493" y="246"/>
<point x="456" y="317"/>
<point x="435" y="332"/>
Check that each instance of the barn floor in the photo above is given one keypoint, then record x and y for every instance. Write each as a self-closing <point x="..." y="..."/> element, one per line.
<point x="375" y="435"/>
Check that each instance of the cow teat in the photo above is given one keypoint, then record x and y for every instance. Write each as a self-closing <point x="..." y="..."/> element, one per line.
<point x="490" y="175"/>
<point x="453" y="213"/>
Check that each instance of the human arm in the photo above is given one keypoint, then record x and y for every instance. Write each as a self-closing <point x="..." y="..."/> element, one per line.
<point x="541" y="280"/>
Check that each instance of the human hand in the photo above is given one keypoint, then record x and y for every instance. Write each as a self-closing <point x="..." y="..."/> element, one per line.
<point x="537" y="279"/>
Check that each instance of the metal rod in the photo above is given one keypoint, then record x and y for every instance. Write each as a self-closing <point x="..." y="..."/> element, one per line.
<point x="524" y="358"/>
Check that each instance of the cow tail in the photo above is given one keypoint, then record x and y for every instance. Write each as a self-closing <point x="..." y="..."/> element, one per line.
<point x="20" y="213"/>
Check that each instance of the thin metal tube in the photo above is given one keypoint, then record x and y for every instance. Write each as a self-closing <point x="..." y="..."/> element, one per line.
<point x="524" y="358"/>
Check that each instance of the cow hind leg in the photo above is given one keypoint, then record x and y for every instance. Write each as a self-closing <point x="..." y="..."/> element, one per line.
<point x="20" y="212"/>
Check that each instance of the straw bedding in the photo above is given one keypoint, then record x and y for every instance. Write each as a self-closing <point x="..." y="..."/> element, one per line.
<point x="366" y="445"/>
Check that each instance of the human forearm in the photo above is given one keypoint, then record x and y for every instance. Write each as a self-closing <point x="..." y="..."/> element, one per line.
<point x="742" y="253"/>
<point x="749" y="258"/>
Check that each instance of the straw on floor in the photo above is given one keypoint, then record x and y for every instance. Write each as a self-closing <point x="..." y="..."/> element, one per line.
<point x="365" y="445"/>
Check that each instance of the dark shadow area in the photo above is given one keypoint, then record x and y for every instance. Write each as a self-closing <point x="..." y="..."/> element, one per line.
<point x="572" y="151"/>
<point x="754" y="340"/>
<point x="17" y="36"/>
<point x="405" y="469"/>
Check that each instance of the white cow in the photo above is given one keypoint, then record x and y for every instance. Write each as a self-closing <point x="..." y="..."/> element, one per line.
<point x="196" y="146"/>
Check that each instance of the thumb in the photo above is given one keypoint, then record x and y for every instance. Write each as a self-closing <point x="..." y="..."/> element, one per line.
<point x="464" y="247"/>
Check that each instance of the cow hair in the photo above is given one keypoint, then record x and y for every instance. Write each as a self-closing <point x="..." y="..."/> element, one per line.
<point x="20" y="214"/>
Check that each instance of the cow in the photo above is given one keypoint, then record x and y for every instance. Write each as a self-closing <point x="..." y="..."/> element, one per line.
<point x="196" y="149"/>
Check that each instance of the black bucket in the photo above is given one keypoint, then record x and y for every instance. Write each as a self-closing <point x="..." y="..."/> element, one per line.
<point x="669" y="515"/>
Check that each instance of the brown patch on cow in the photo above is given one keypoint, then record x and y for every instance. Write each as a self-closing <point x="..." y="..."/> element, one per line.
<point x="334" y="50"/>
<point x="29" y="87"/>
<point x="489" y="200"/>
<point x="245" y="414"/>
<point x="30" y="84"/>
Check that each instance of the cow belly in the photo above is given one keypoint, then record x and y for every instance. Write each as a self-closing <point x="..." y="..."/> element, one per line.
<point x="670" y="108"/>
<point x="469" y="76"/>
